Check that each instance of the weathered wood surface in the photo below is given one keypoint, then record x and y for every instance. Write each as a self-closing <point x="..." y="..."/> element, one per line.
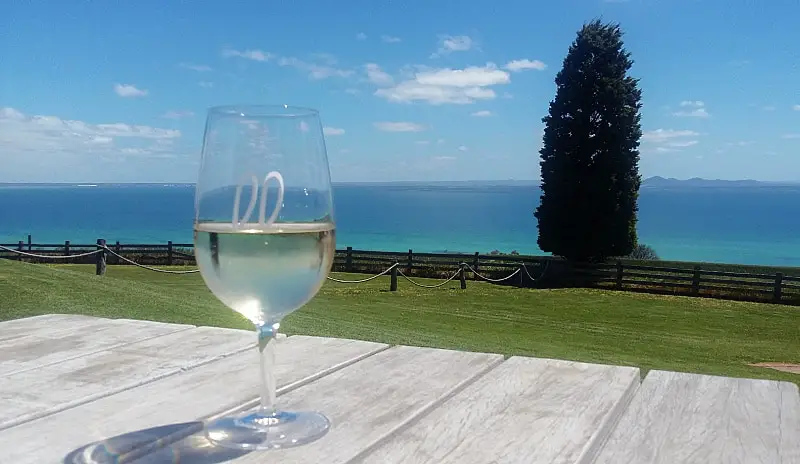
<point x="117" y="397"/>
<point x="526" y="410"/>
<point x="34" y="393"/>
<point x="176" y="402"/>
<point x="369" y="401"/>
<point x="54" y="342"/>
<point x="700" y="419"/>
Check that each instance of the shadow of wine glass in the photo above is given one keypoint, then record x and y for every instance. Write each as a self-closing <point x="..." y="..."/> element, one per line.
<point x="165" y="444"/>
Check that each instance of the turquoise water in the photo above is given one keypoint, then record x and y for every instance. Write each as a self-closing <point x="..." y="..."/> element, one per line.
<point x="748" y="225"/>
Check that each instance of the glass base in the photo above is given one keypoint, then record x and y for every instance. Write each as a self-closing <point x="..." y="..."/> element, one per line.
<point x="253" y="430"/>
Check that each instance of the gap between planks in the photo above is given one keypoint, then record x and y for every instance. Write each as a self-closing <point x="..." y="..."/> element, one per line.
<point x="424" y="411"/>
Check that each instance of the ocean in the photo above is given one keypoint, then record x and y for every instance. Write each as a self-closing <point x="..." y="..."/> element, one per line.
<point x="743" y="224"/>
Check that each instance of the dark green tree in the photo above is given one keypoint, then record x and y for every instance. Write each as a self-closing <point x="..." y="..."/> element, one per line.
<point x="590" y="155"/>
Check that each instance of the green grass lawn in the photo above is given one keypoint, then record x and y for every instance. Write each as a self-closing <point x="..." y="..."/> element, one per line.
<point x="652" y="332"/>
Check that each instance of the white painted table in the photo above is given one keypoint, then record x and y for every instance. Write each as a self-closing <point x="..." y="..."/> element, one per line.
<point x="142" y="390"/>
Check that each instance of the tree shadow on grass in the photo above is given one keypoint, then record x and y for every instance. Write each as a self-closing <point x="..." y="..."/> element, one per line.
<point x="165" y="444"/>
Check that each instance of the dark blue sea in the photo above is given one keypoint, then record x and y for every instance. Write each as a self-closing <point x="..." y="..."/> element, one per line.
<point x="748" y="225"/>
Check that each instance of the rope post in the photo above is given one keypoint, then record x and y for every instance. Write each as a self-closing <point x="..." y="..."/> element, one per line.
<point x="620" y="274"/>
<point x="778" y="287"/>
<point x="410" y="262"/>
<point x="475" y="266"/>
<point x="100" y="258"/>
<point x="696" y="281"/>
<point x="521" y="280"/>
<point x="117" y="248"/>
<point x="169" y="253"/>
<point x="462" y="276"/>
<point x="348" y="260"/>
<point x="66" y="250"/>
<point x="30" y="242"/>
<point x="393" y="281"/>
<point x="20" y="247"/>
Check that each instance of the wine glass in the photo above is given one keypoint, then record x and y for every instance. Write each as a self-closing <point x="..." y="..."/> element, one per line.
<point x="264" y="238"/>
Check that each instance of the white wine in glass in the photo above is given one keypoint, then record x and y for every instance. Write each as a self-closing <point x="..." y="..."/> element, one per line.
<point x="265" y="240"/>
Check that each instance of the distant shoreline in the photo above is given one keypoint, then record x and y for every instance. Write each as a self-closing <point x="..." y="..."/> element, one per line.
<point x="651" y="182"/>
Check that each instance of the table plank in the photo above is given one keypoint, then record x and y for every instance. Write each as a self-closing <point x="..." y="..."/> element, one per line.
<point x="35" y="393"/>
<point x="177" y="399"/>
<point x="527" y="410"/>
<point x="36" y="351"/>
<point x="47" y="324"/>
<point x="679" y="418"/>
<point x="365" y="402"/>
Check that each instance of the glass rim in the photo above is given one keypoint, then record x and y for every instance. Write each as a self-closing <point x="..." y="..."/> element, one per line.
<point x="263" y="111"/>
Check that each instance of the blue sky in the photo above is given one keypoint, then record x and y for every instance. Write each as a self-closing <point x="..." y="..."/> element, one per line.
<point x="407" y="90"/>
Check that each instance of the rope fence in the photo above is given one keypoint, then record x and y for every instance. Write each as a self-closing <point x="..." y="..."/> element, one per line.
<point x="393" y="270"/>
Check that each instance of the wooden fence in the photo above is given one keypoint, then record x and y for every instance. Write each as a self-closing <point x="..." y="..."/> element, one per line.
<point x="754" y="283"/>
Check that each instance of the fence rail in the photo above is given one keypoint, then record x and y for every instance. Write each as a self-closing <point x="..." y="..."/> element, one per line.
<point x="691" y="279"/>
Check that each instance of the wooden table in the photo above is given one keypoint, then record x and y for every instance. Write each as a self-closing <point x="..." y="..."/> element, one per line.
<point x="142" y="389"/>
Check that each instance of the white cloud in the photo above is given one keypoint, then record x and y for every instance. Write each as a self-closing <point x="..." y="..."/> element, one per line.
<point x="332" y="131"/>
<point x="463" y="148"/>
<point x="521" y="65"/>
<point x="361" y="36"/>
<point x="423" y="142"/>
<point x="399" y="126"/>
<point x="473" y="76"/>
<point x="769" y="108"/>
<point x="662" y="135"/>
<point x="444" y="158"/>
<point x="177" y="114"/>
<point x="50" y="136"/>
<point x="741" y="143"/>
<point x="682" y="143"/>
<point x="790" y="136"/>
<point x="482" y="114"/>
<point x="448" y="86"/>
<point x="390" y="39"/>
<point x="694" y="109"/>
<point x="449" y="44"/>
<point x="669" y="140"/>
<point x="255" y="55"/>
<point x="315" y="71"/>
<point x="196" y="67"/>
<point x="129" y="90"/>
<point x="796" y="107"/>
<point x="205" y="84"/>
<point x="378" y="76"/>
<point x="698" y="113"/>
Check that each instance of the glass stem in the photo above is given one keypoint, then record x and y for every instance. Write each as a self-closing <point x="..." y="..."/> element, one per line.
<point x="267" y="334"/>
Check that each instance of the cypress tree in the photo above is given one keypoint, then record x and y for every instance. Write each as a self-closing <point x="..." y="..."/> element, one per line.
<point x="590" y="155"/>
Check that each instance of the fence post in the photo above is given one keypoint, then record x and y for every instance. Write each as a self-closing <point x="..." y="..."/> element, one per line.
<point x="521" y="280"/>
<point x="117" y="248"/>
<point x="410" y="264"/>
<point x="30" y="242"/>
<point x="696" y="281"/>
<point x="475" y="263"/>
<point x="620" y="274"/>
<point x="462" y="276"/>
<point x="66" y="251"/>
<point x="20" y="247"/>
<point x="393" y="281"/>
<point x="100" y="258"/>
<point x="348" y="260"/>
<point x="169" y="253"/>
<point x="778" y="286"/>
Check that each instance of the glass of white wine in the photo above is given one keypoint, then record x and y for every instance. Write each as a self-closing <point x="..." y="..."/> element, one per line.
<point x="264" y="238"/>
